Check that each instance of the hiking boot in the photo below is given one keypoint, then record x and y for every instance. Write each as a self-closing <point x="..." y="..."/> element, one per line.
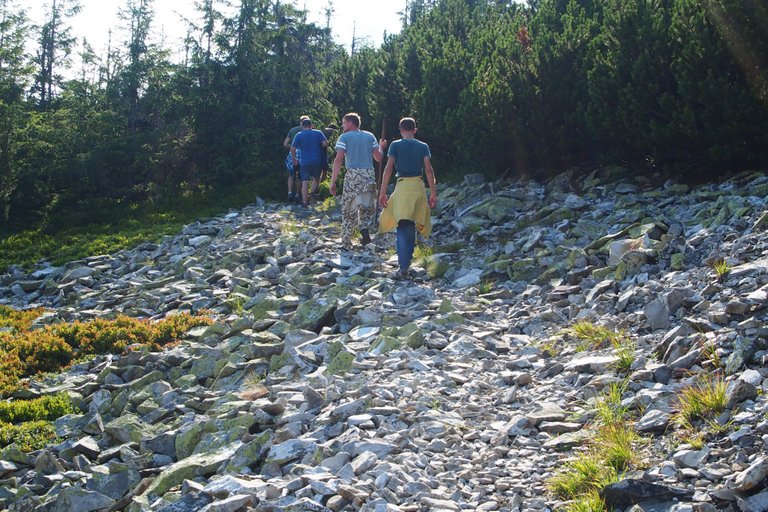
<point x="291" y="197"/>
<point x="400" y="275"/>
<point x="365" y="237"/>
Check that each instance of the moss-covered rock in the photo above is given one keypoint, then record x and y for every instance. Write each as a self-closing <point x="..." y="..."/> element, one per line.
<point x="314" y="314"/>
<point x="204" y="464"/>
<point x="446" y="306"/>
<point x="189" y="437"/>
<point x="340" y="363"/>
<point x="129" y="429"/>
<point x="278" y="361"/>
<point x="248" y="455"/>
<point x="525" y="269"/>
<point x="677" y="261"/>
<point x="393" y="338"/>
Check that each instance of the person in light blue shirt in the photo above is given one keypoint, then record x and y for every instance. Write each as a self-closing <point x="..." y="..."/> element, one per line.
<point x="357" y="149"/>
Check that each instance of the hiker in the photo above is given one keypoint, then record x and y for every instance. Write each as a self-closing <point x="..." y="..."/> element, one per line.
<point x="357" y="149"/>
<point x="308" y="150"/>
<point x="293" y="171"/>
<point x="407" y="208"/>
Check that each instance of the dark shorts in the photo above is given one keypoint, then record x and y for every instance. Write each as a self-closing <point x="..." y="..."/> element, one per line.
<point x="309" y="171"/>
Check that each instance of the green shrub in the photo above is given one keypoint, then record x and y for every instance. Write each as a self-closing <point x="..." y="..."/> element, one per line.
<point x="27" y="353"/>
<point x="44" y="408"/>
<point x="42" y="351"/>
<point x="18" y="320"/>
<point x="29" y="436"/>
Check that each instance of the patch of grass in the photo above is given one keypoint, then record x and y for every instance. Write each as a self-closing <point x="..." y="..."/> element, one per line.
<point x="237" y="304"/>
<point x="615" y="444"/>
<point x="437" y="269"/>
<point x="626" y="354"/>
<point x="422" y="255"/>
<point x="72" y="234"/>
<point x="701" y="401"/>
<point x="486" y="286"/>
<point x="713" y="359"/>
<point x="548" y="346"/>
<point x="590" y="502"/>
<point x="583" y="476"/>
<point x="290" y="227"/>
<point x="721" y="268"/>
<point x="608" y="407"/>
<point x="451" y="247"/>
<point x="328" y="204"/>
<point x="694" y="439"/>
<point x="51" y="348"/>
<point x="253" y="379"/>
<point x="591" y="336"/>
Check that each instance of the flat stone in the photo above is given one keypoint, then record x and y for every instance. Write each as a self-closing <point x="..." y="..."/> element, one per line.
<point x="752" y="476"/>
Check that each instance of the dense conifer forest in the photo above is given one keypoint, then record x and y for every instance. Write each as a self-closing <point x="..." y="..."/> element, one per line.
<point x="497" y="87"/>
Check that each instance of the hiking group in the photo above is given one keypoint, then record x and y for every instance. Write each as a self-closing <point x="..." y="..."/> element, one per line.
<point x="406" y="210"/>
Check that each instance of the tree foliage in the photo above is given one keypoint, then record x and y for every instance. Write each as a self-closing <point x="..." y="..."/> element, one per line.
<point x="497" y="87"/>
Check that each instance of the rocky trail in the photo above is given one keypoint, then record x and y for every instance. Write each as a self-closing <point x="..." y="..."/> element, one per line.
<point x="326" y="385"/>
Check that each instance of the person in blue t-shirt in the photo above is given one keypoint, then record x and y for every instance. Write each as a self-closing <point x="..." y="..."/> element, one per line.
<point x="408" y="207"/>
<point x="311" y="143"/>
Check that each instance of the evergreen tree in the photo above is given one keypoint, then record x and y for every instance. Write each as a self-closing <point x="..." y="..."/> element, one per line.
<point x="14" y="77"/>
<point x="55" y="45"/>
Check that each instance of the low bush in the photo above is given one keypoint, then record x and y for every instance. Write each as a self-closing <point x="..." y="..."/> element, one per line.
<point x="28" y="352"/>
<point x="46" y="408"/>
<point x="28" y="436"/>
<point x="18" y="320"/>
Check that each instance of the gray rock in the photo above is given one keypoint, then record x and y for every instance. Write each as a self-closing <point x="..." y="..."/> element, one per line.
<point x="752" y="476"/>
<point x="75" y="499"/>
<point x="653" y="421"/>
<point x="657" y="313"/>
<point x="633" y="491"/>
<point x="739" y="391"/>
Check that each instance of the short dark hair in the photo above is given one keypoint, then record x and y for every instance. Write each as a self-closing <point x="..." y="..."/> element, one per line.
<point x="353" y="117"/>
<point x="408" y="124"/>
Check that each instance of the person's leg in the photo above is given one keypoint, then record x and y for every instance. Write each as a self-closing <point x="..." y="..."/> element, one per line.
<point x="405" y="243"/>
<point x="348" y="213"/>
<point x="315" y="185"/>
<point x="290" y="186"/>
<point x="367" y="210"/>
<point x="305" y="174"/>
<point x="297" y="183"/>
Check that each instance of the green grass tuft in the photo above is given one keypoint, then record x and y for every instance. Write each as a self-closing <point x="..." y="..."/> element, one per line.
<point x="583" y="476"/>
<point x="590" y="502"/>
<point x="701" y="401"/>
<point x="721" y="267"/>
<point x="592" y="337"/>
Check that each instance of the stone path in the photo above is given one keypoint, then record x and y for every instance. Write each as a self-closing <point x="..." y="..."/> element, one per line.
<point x="326" y="385"/>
